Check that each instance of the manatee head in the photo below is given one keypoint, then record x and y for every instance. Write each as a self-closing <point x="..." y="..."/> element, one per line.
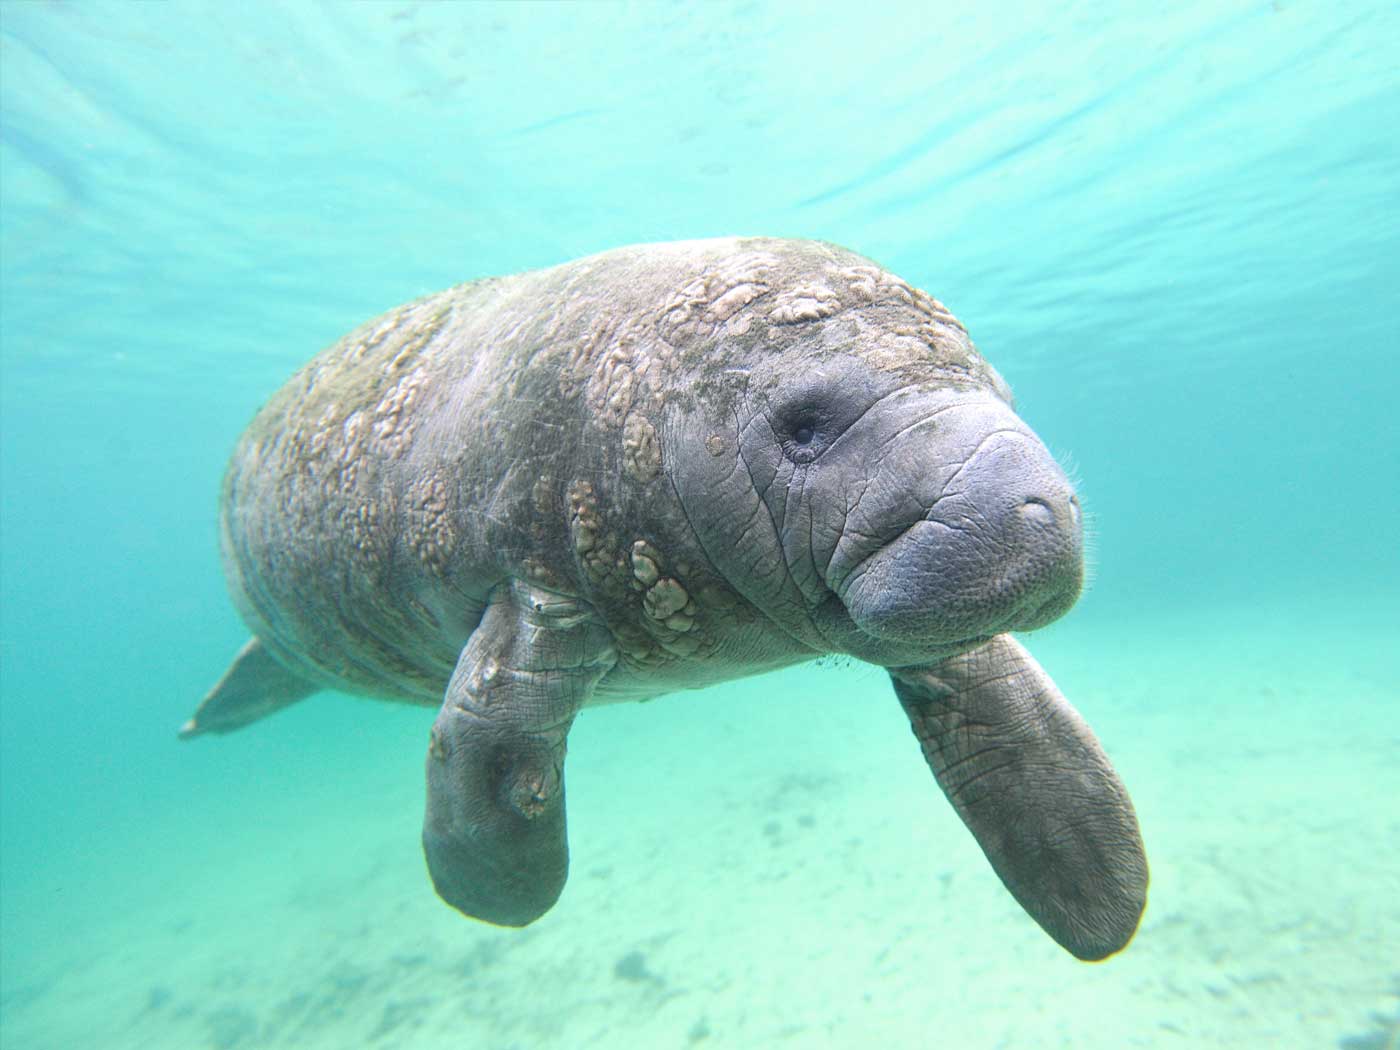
<point x="865" y="480"/>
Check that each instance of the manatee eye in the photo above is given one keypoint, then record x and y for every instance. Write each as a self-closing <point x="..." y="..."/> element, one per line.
<point x="808" y="417"/>
<point x="803" y="442"/>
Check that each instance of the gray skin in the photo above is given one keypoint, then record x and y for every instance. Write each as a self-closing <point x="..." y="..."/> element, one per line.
<point x="655" y="469"/>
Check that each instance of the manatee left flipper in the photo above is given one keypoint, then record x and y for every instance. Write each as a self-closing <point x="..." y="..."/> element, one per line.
<point x="494" y="832"/>
<point x="1030" y="781"/>
<point x="254" y="686"/>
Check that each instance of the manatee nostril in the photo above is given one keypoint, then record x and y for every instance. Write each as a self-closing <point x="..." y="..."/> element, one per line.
<point x="1037" y="512"/>
<point x="1076" y="515"/>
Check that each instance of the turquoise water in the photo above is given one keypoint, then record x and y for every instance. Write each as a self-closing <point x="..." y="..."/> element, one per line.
<point x="1176" y="233"/>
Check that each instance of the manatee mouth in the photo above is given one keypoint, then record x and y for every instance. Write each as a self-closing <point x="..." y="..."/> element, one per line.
<point x="1000" y="549"/>
<point x="1047" y="612"/>
<point x="890" y="600"/>
<point x="1023" y="620"/>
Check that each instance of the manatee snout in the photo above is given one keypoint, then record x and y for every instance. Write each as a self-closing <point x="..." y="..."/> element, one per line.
<point x="1052" y="531"/>
<point x="1016" y="526"/>
<point x="998" y="548"/>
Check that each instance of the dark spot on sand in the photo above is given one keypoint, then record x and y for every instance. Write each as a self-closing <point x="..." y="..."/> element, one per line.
<point x="1384" y="1033"/>
<point x="633" y="967"/>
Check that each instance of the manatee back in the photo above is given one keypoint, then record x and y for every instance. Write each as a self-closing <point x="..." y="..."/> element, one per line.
<point x="316" y="498"/>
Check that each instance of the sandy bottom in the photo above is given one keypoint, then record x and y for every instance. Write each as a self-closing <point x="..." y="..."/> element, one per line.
<point x="771" y="864"/>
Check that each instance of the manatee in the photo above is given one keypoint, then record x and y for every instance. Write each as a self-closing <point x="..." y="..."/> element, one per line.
<point x="659" y="468"/>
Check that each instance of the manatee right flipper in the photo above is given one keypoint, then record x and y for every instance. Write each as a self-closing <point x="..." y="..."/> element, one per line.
<point x="494" y="832"/>
<point x="254" y="686"/>
<point x="1037" y="792"/>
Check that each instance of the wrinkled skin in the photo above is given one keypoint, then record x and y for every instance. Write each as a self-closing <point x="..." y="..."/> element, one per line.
<point x="912" y="523"/>
<point x="656" y="469"/>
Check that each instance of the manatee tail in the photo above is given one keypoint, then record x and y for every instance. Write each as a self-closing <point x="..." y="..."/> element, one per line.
<point x="254" y="686"/>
